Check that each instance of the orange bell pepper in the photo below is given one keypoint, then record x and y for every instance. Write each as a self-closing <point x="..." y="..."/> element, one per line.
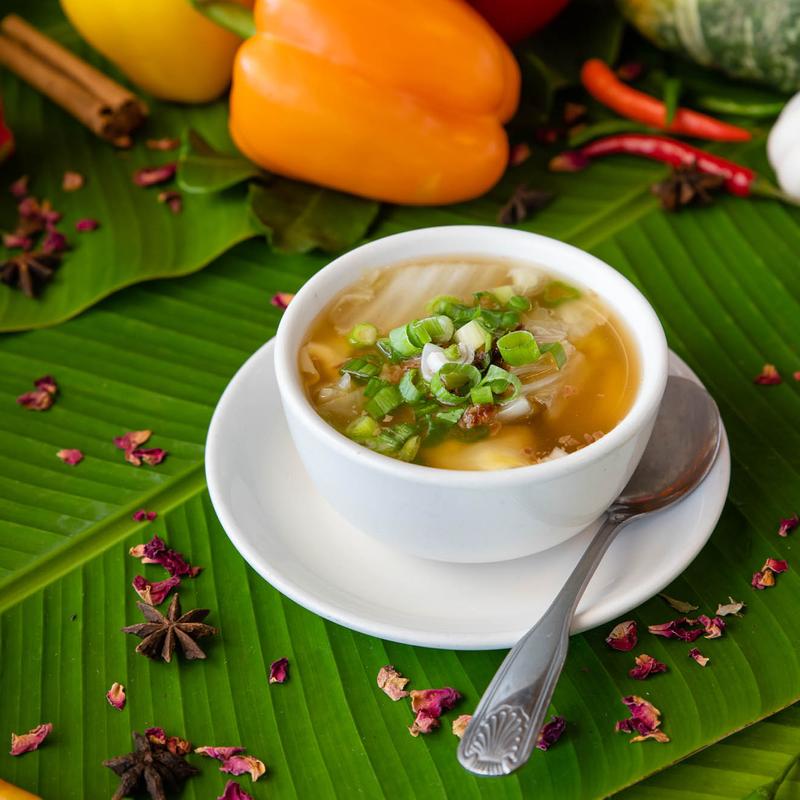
<point x="401" y="101"/>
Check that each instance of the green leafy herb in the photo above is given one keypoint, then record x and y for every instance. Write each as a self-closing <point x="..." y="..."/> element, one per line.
<point x="202" y="169"/>
<point x="298" y="217"/>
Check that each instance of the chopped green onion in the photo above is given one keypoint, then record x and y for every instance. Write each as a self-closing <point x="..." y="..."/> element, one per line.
<point x="501" y="381"/>
<point x="408" y="452"/>
<point x="390" y="440"/>
<point x="362" y="428"/>
<point x="558" y="292"/>
<point x="453" y="352"/>
<point x="556" y="350"/>
<point x="518" y="348"/>
<point x="439" y="329"/>
<point x="491" y="300"/>
<point x="409" y="389"/>
<point x="503" y="294"/>
<point x="385" y="348"/>
<point x="474" y="335"/>
<point x="363" y="335"/>
<point x="498" y="320"/>
<point x="440" y="304"/>
<point x="481" y="394"/>
<point x="418" y="333"/>
<point x="519" y="303"/>
<point x="450" y="416"/>
<point x="402" y="343"/>
<point x="385" y="400"/>
<point x="374" y="385"/>
<point x="361" y="368"/>
<point x="452" y="377"/>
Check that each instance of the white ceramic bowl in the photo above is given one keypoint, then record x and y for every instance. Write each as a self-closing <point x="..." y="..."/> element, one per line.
<point x="454" y="515"/>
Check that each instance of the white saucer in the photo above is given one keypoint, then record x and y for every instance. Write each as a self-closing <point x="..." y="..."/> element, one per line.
<point x="297" y="542"/>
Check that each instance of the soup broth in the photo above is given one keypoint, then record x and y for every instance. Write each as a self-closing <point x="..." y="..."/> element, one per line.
<point x="468" y="364"/>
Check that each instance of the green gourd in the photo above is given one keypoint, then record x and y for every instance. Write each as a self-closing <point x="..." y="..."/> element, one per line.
<point x="756" y="40"/>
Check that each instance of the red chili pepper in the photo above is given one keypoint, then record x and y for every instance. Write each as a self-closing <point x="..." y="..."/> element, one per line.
<point x="739" y="180"/>
<point x="601" y="82"/>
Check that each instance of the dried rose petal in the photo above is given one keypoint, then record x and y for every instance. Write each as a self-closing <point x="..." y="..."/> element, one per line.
<point x="551" y="733"/>
<point x="679" y="605"/>
<point x="38" y="400"/>
<point x="29" y="207"/>
<point x="239" y="765"/>
<point x="569" y="161"/>
<point x="234" y="792"/>
<point x="460" y="723"/>
<point x="157" y="552"/>
<point x="132" y="439"/>
<point x="152" y="176"/>
<point x="623" y="637"/>
<point x="519" y="154"/>
<point x="547" y="134"/>
<point x="392" y="682"/>
<point x="788" y="525"/>
<point x="574" y="112"/>
<point x="630" y="70"/>
<point x="769" y="376"/>
<point x="86" y="224"/>
<point x="54" y="242"/>
<point x="282" y="299"/>
<point x="777" y="566"/>
<point x="143" y="515"/>
<point x="763" y="579"/>
<point x="698" y="657"/>
<point x="172" y="199"/>
<point x="48" y="215"/>
<point x="72" y="181"/>
<point x="154" y="593"/>
<point x="71" y="457"/>
<point x="645" y="721"/>
<point x="19" y="188"/>
<point x="162" y="144"/>
<point x="733" y="607"/>
<point x="645" y="666"/>
<point x="156" y="736"/>
<point x="676" y="629"/>
<point x="16" y="241"/>
<point x="175" y="744"/>
<point x="429" y="705"/>
<point x="220" y="753"/>
<point x="116" y="696"/>
<point x="279" y="671"/>
<point x="796" y="375"/>
<point x="26" y="742"/>
<point x="43" y="397"/>
<point x="152" y="456"/>
<point x="714" y="626"/>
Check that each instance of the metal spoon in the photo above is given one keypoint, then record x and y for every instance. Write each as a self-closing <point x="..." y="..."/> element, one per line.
<point x="681" y="451"/>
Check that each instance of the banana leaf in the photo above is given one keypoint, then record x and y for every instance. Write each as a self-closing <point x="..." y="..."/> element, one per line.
<point x="159" y="354"/>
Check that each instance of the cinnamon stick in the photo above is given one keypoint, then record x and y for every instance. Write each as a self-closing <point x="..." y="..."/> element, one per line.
<point x="100" y="103"/>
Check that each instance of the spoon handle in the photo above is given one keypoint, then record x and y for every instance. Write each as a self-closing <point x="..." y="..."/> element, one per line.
<point x="505" y="726"/>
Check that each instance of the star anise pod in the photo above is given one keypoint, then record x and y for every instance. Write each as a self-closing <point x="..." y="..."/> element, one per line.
<point x="686" y="185"/>
<point x="151" y="768"/>
<point x="29" y="271"/>
<point x="160" y="634"/>
<point x="523" y="201"/>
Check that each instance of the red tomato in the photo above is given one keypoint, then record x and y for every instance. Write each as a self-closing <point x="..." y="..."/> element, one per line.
<point x="516" y="19"/>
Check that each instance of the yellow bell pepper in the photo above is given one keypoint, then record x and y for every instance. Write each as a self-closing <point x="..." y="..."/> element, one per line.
<point x="165" y="47"/>
<point x="9" y="792"/>
<point x="398" y="100"/>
